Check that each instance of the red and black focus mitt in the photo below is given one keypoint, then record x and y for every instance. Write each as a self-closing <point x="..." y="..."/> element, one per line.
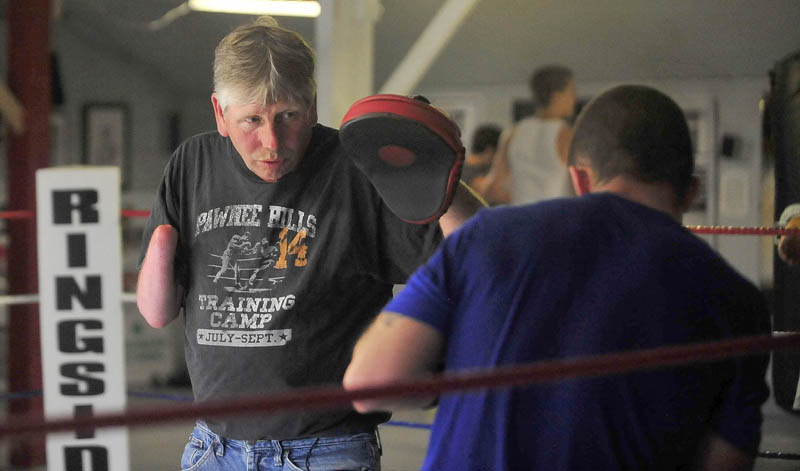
<point x="409" y="150"/>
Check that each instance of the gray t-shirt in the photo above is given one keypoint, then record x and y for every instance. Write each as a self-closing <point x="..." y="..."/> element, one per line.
<point x="281" y="277"/>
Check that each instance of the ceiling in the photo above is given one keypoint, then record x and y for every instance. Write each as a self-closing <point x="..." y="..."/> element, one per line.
<point x="500" y="42"/>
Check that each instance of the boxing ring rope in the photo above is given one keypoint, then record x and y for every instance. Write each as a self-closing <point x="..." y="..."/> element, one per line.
<point x="333" y="396"/>
<point x="17" y="214"/>
<point x="753" y="230"/>
<point x="9" y="299"/>
<point x="142" y="213"/>
<point x="698" y="229"/>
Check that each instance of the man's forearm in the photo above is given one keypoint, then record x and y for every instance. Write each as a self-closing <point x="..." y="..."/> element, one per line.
<point x="466" y="202"/>
<point x="394" y="348"/>
<point x="716" y="453"/>
<point x="157" y="295"/>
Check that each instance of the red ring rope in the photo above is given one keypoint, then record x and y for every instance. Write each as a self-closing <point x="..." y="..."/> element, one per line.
<point x="319" y="398"/>
<point x="135" y="213"/>
<point x="29" y="214"/>
<point x="727" y="230"/>
<point x="731" y="230"/>
<point x="499" y="377"/>
<point x="18" y="214"/>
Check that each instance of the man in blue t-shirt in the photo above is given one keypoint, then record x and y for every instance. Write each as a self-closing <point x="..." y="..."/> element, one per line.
<point x="611" y="271"/>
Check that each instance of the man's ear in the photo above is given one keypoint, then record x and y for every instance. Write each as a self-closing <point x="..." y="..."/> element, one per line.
<point x="219" y="116"/>
<point x="691" y="194"/>
<point x="580" y="179"/>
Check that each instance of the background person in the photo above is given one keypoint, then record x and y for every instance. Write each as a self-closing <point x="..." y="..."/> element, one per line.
<point x="532" y="154"/>
<point x="611" y="271"/>
<point x="479" y="159"/>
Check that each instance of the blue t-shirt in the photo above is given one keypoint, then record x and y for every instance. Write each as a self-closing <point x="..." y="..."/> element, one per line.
<point x="586" y="276"/>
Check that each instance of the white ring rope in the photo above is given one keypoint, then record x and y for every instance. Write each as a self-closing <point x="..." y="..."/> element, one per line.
<point x="10" y="299"/>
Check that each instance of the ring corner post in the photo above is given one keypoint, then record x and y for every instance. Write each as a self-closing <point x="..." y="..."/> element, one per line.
<point x="30" y="81"/>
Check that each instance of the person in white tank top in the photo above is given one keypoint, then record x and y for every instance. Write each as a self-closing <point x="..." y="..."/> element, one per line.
<point x="531" y="159"/>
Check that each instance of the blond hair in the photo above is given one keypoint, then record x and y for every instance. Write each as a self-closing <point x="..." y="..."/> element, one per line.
<point x="264" y="63"/>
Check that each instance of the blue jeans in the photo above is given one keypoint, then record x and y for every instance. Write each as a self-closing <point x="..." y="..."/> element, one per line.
<point x="207" y="451"/>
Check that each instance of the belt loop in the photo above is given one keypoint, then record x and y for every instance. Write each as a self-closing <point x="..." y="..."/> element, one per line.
<point x="277" y="459"/>
<point x="308" y="455"/>
<point x="219" y="445"/>
<point x="378" y="439"/>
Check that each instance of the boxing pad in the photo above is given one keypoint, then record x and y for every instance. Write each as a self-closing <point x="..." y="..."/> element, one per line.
<point x="409" y="150"/>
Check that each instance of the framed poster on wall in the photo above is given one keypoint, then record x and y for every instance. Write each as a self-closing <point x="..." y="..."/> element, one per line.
<point x="106" y="136"/>
<point x="462" y="108"/>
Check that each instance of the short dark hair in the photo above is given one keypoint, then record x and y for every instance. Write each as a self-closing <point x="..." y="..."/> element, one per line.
<point x="635" y="131"/>
<point x="547" y="80"/>
<point x="486" y="135"/>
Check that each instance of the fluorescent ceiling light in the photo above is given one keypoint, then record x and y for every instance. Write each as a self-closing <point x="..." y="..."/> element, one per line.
<point x="259" y="7"/>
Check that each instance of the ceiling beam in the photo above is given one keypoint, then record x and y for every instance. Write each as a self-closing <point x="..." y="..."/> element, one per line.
<point x="428" y="46"/>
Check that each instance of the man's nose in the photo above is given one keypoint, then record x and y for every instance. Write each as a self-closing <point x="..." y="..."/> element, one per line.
<point x="268" y="136"/>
